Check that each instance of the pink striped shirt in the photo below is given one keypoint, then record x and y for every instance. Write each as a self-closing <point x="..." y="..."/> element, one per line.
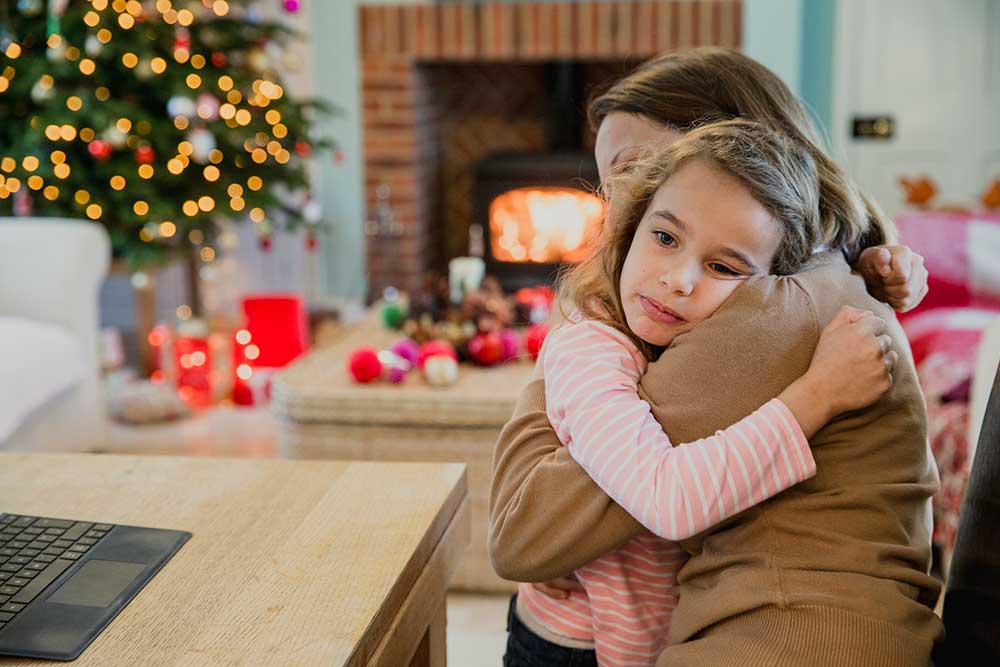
<point x="591" y="377"/>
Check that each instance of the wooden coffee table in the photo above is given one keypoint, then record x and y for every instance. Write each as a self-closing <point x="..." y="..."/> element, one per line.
<point x="325" y="415"/>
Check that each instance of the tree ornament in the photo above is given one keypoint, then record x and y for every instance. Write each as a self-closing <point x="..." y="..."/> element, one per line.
<point x="218" y="59"/>
<point x="338" y="156"/>
<point x="265" y="242"/>
<point x="259" y="60"/>
<point x="312" y="211"/>
<point x="114" y="136"/>
<point x="208" y="107"/>
<point x="408" y="349"/>
<point x="181" y="106"/>
<point x="202" y="142"/>
<point x="364" y="365"/>
<point x="182" y="38"/>
<point x="394" y="367"/>
<point x="436" y="347"/>
<point x="302" y="148"/>
<point x="93" y="46"/>
<point x="30" y="8"/>
<point x="57" y="53"/>
<point x="311" y="242"/>
<point x="291" y="6"/>
<point x="486" y="349"/>
<point x="511" y="344"/>
<point x="534" y="338"/>
<point x="99" y="149"/>
<point x="145" y="154"/>
<point x="42" y="91"/>
<point x="393" y="315"/>
<point x="441" y="370"/>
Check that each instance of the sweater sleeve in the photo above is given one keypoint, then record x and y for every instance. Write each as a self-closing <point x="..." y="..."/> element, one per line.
<point x="547" y="516"/>
<point x="591" y="377"/>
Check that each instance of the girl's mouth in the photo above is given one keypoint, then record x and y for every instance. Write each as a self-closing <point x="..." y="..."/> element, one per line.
<point x="659" y="312"/>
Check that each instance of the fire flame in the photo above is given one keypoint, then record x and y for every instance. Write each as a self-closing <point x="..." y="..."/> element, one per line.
<point x="545" y="225"/>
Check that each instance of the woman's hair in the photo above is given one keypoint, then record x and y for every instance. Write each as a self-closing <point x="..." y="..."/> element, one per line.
<point x="686" y="89"/>
<point x="778" y="171"/>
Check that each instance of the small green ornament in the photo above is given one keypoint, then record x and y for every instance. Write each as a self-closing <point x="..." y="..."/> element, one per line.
<point x="393" y="315"/>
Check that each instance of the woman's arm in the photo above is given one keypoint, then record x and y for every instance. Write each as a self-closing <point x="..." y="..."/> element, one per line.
<point x="591" y="375"/>
<point x="547" y="516"/>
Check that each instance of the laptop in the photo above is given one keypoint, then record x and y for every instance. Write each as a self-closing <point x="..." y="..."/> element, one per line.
<point x="63" y="580"/>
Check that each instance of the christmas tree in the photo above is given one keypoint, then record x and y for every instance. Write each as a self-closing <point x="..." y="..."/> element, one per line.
<point x="158" y="120"/>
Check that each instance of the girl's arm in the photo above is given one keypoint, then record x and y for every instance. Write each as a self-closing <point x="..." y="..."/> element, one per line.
<point x="592" y="373"/>
<point x="591" y="377"/>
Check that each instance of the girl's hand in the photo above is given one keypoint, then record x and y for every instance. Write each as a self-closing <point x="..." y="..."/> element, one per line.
<point x="895" y="275"/>
<point x="560" y="588"/>
<point x="851" y="368"/>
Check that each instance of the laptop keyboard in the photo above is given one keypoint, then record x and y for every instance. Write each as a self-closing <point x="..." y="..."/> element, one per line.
<point x="34" y="551"/>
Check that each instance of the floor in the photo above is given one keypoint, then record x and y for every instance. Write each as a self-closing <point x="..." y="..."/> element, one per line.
<point x="476" y="623"/>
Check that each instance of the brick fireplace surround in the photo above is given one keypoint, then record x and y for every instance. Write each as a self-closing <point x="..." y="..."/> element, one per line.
<point x="445" y="84"/>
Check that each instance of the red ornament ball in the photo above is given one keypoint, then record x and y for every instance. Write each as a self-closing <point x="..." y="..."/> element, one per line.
<point x="302" y="148"/>
<point x="364" y="365"/>
<point x="145" y="154"/>
<point x="99" y="149"/>
<point x="435" y="347"/>
<point x="219" y="59"/>
<point x="511" y="343"/>
<point x="311" y="242"/>
<point x="534" y="338"/>
<point x="265" y="243"/>
<point x="338" y="156"/>
<point x="486" y="349"/>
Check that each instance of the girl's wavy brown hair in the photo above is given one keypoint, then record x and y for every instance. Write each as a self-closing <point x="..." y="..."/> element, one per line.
<point x="778" y="172"/>
<point x="683" y="90"/>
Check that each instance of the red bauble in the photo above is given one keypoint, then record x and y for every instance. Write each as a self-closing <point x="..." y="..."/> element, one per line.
<point x="433" y="347"/>
<point x="364" y="365"/>
<point x="311" y="242"/>
<point x="534" y="338"/>
<point x="219" y="59"/>
<point x="265" y="243"/>
<point x="100" y="149"/>
<point x="145" y="154"/>
<point x="338" y="156"/>
<point x="486" y="349"/>
<point x="302" y="148"/>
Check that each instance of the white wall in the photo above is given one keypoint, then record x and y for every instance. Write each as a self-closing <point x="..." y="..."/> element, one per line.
<point x="772" y="34"/>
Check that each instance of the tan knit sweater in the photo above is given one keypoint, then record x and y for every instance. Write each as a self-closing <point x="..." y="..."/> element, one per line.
<point x="832" y="570"/>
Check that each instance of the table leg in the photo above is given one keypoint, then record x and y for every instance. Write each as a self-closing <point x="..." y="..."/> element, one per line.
<point x="432" y="649"/>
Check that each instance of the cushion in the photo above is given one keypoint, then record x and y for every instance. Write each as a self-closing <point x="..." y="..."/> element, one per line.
<point x="38" y="361"/>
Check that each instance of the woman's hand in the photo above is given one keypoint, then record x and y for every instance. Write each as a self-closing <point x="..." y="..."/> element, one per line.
<point x="560" y="588"/>
<point x="851" y="368"/>
<point x="895" y="275"/>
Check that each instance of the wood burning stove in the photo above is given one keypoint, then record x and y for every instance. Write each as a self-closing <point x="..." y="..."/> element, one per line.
<point x="537" y="210"/>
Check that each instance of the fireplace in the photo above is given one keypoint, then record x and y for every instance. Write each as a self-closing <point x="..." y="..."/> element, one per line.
<point x="459" y="117"/>
<point x="536" y="212"/>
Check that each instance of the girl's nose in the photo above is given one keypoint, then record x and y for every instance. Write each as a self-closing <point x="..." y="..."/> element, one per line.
<point x="679" y="279"/>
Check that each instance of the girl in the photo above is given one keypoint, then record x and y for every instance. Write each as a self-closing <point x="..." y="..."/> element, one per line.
<point x="724" y="203"/>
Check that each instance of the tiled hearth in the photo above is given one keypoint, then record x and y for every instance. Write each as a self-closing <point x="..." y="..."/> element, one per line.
<point x="446" y="84"/>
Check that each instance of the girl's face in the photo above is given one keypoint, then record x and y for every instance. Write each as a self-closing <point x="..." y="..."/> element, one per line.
<point x="701" y="237"/>
<point x="622" y="137"/>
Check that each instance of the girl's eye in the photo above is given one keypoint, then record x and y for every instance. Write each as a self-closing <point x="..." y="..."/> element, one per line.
<point x="724" y="270"/>
<point x="664" y="238"/>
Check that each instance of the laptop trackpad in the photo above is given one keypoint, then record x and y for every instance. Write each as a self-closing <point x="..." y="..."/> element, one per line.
<point x="97" y="584"/>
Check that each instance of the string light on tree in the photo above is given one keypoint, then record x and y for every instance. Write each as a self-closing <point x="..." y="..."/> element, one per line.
<point x="186" y="165"/>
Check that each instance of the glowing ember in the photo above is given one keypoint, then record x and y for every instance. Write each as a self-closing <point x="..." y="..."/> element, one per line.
<point x="545" y="225"/>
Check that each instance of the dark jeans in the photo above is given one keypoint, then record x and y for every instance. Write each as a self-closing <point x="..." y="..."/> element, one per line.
<point x="526" y="649"/>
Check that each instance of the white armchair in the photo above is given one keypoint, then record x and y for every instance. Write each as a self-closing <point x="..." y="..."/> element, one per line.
<point x="50" y="273"/>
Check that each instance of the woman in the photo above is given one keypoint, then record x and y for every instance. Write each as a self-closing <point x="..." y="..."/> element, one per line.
<point x="717" y="622"/>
